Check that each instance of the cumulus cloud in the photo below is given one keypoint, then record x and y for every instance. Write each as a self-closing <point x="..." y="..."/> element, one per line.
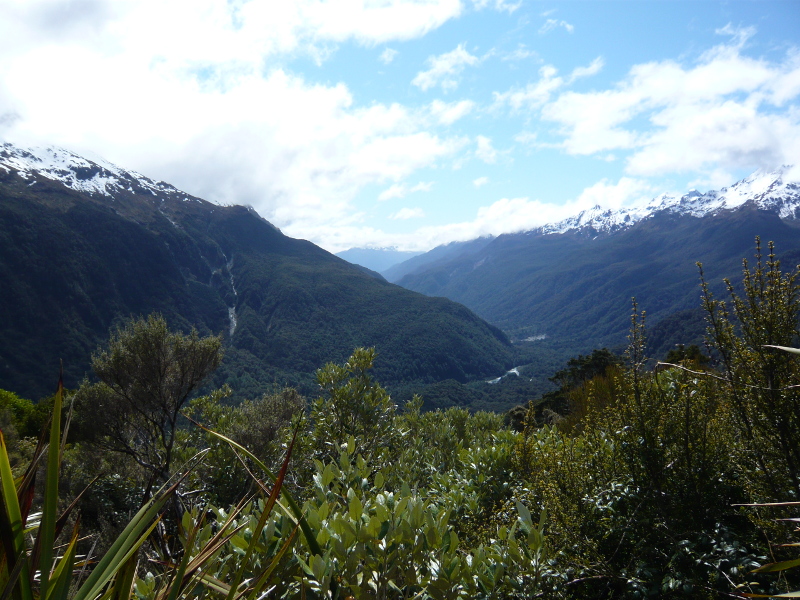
<point x="480" y="181"/>
<point x="388" y="55"/>
<point x="505" y="215"/>
<point x="551" y="24"/>
<point x="720" y="112"/>
<point x="485" y="151"/>
<point x="501" y="5"/>
<point x="198" y="97"/>
<point x="444" y="69"/>
<point x="627" y="191"/>
<point x="527" y="138"/>
<point x="537" y="94"/>
<point x="448" y="113"/>
<point x="401" y="190"/>
<point x="508" y="215"/>
<point x="521" y="53"/>
<point x="407" y="213"/>
<point x="532" y="95"/>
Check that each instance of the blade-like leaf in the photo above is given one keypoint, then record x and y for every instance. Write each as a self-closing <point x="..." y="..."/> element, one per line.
<point x="12" y="578"/>
<point x="785" y="349"/>
<point x="46" y="538"/>
<point x="311" y="539"/>
<point x="262" y="520"/>
<point x="62" y="573"/>
<point x="13" y="526"/>
<point x="123" y="581"/>
<point x="178" y="579"/>
<point x="779" y="566"/>
<point x="264" y="577"/>
<point x="134" y="534"/>
<point x="123" y="547"/>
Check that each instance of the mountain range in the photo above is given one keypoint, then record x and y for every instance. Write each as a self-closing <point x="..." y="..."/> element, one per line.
<point x="85" y="244"/>
<point x="376" y="259"/>
<point x="573" y="280"/>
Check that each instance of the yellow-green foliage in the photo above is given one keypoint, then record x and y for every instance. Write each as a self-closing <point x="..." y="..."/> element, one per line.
<point x="761" y="382"/>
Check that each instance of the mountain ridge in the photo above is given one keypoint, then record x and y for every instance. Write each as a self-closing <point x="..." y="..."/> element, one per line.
<point x="766" y="189"/>
<point x="574" y="280"/>
<point x="85" y="245"/>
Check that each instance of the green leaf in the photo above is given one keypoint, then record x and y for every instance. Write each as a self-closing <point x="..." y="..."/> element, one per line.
<point x="318" y="567"/>
<point x="355" y="508"/>
<point x="61" y="579"/>
<point x="12" y="530"/>
<point x="525" y="515"/>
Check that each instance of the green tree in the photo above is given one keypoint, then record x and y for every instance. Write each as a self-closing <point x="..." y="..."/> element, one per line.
<point x="353" y="406"/>
<point x="761" y="382"/>
<point x="146" y="374"/>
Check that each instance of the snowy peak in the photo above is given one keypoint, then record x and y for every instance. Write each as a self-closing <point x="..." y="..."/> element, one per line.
<point x="767" y="190"/>
<point x="81" y="174"/>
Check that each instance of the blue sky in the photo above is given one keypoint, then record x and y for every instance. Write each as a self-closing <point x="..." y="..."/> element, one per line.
<point x="410" y="123"/>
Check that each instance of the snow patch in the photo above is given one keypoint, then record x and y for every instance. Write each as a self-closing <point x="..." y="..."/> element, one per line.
<point x="93" y="176"/>
<point x="768" y="190"/>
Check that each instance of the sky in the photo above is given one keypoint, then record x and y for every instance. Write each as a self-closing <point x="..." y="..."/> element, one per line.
<point x="410" y="123"/>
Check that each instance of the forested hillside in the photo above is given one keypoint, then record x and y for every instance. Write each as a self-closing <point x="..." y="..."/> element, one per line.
<point x="576" y="286"/>
<point x="83" y="247"/>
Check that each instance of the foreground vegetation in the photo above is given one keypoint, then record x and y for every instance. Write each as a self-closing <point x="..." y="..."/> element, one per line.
<point x="630" y="481"/>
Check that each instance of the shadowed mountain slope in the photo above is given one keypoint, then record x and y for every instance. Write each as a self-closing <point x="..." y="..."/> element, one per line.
<point x="575" y="280"/>
<point x="84" y="245"/>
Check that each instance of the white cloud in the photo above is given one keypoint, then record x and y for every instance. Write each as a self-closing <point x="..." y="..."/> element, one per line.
<point x="388" y="55"/>
<point x="448" y="113"/>
<point x="625" y="192"/>
<point x="401" y="190"/>
<point x="187" y="34"/>
<point x="551" y="24"/>
<point x="533" y="95"/>
<point x="521" y="53"/>
<point x="194" y="97"/>
<point x="480" y="181"/>
<point x="536" y="95"/>
<point x="485" y="151"/>
<point x="592" y="69"/>
<point x="712" y="180"/>
<point x="505" y="215"/>
<point x="444" y="69"/>
<point x="527" y="138"/>
<point x="740" y="35"/>
<point x="407" y="213"/>
<point x="500" y="5"/>
<point x="723" y="112"/>
<point x="508" y="215"/>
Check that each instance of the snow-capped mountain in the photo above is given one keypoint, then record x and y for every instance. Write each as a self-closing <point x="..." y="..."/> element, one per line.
<point x="96" y="176"/>
<point x="767" y="190"/>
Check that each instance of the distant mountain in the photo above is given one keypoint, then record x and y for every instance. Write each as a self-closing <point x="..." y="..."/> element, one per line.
<point x="574" y="280"/>
<point x="85" y="244"/>
<point x="376" y="259"/>
<point x="438" y="255"/>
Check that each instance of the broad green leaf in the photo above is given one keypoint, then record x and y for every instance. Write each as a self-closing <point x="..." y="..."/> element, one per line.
<point x="355" y="508"/>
